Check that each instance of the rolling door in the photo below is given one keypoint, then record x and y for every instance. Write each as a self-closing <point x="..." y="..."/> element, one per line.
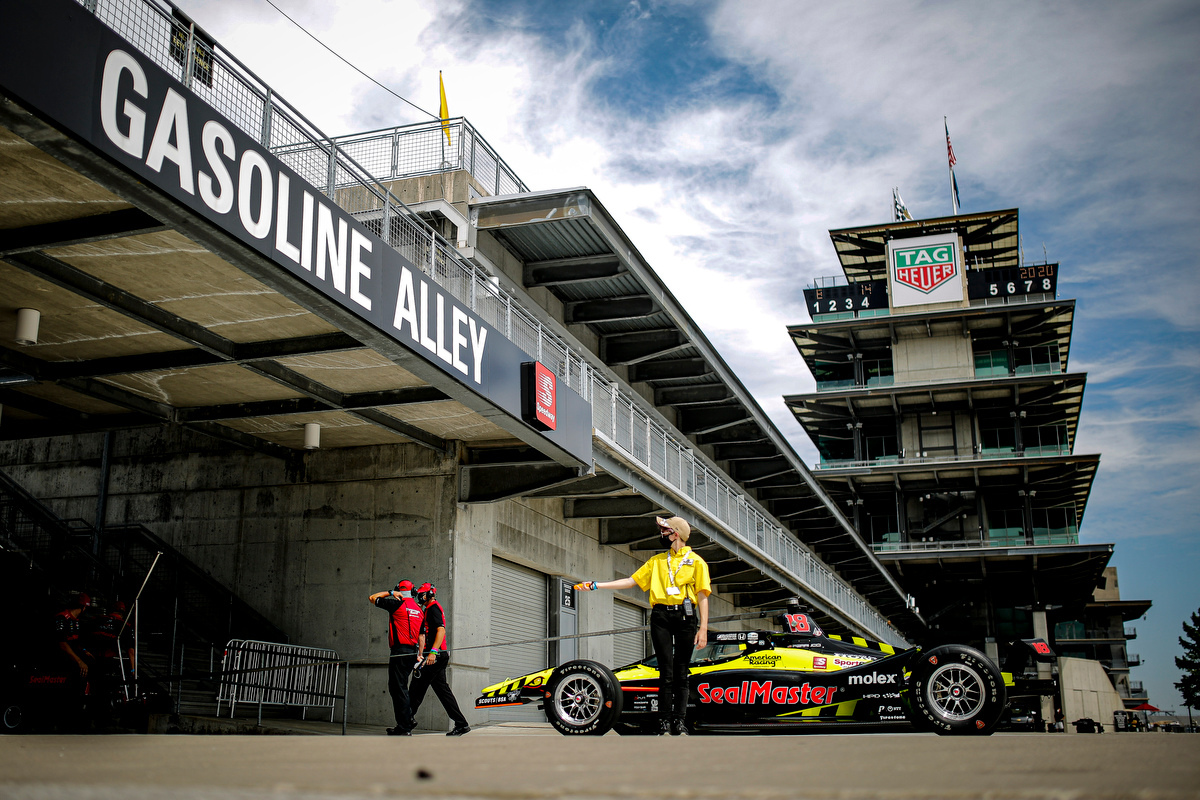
<point x="628" y="647"/>
<point x="519" y="612"/>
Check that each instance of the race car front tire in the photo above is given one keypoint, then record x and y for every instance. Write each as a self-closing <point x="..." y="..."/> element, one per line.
<point x="955" y="689"/>
<point x="583" y="699"/>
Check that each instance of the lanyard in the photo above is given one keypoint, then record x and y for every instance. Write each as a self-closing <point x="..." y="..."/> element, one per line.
<point x="671" y="574"/>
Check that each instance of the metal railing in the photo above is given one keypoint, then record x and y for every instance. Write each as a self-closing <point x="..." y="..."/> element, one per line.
<point x="986" y="453"/>
<point x="233" y="90"/>
<point x="272" y="674"/>
<point x="422" y="149"/>
<point x="1090" y="634"/>
<point x="962" y="544"/>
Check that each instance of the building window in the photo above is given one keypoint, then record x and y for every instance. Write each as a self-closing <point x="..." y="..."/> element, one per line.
<point x="834" y="375"/>
<point x="1006" y="526"/>
<point x="1045" y="440"/>
<point x="991" y="363"/>
<point x="878" y="372"/>
<point x="1041" y="360"/>
<point x="997" y="441"/>
<point x="1055" y="526"/>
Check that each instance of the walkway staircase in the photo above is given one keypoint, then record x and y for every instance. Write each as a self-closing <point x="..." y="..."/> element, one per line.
<point x="184" y="617"/>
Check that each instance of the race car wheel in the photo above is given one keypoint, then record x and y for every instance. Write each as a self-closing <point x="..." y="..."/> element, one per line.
<point x="584" y="699"/>
<point x="12" y="720"/>
<point x="956" y="690"/>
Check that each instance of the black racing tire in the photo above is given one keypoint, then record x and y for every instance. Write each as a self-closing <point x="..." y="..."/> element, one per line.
<point x="955" y="690"/>
<point x="583" y="698"/>
<point x="14" y="717"/>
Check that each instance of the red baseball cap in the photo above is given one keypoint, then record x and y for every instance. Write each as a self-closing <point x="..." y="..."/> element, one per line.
<point x="404" y="586"/>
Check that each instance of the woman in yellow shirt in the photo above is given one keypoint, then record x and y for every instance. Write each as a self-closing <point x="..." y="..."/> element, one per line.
<point x="679" y="586"/>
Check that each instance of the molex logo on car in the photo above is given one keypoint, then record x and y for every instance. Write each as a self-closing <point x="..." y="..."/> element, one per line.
<point x="871" y="678"/>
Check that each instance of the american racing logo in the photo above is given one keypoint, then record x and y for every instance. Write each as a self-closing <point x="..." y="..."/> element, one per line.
<point x="751" y="692"/>
<point x="873" y="678"/>
<point x="765" y="660"/>
<point x="925" y="268"/>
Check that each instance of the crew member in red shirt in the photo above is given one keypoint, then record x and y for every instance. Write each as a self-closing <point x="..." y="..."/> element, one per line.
<point x="404" y="640"/>
<point x="68" y="631"/>
<point x="433" y="668"/>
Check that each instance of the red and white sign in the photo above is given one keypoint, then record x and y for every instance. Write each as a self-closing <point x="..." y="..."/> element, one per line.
<point x="539" y="393"/>
<point x="924" y="269"/>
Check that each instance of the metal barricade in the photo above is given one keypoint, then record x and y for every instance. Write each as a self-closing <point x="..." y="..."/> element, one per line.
<point x="274" y="674"/>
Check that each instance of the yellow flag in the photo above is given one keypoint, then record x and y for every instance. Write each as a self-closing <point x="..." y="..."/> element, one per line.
<point x="443" y="109"/>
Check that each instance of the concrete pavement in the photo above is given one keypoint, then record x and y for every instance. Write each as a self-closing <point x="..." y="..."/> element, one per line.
<point x="526" y="762"/>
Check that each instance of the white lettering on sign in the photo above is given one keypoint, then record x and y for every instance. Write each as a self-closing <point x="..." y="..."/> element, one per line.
<point x="323" y="242"/>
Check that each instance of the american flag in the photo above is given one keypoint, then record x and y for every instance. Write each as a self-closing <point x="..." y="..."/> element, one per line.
<point x="949" y="147"/>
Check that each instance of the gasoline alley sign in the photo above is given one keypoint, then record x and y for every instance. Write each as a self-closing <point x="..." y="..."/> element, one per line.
<point x="62" y="63"/>
<point x="925" y="269"/>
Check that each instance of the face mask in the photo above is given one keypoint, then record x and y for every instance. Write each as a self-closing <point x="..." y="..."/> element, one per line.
<point x="666" y="540"/>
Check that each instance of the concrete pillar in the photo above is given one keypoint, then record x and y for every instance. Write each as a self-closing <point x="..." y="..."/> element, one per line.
<point x="1041" y="630"/>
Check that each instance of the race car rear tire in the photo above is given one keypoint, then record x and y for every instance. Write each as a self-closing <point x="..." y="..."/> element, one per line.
<point x="584" y="699"/>
<point x="13" y="717"/>
<point x="955" y="689"/>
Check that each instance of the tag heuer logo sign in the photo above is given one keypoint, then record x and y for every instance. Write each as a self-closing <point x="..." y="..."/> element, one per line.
<point x="924" y="270"/>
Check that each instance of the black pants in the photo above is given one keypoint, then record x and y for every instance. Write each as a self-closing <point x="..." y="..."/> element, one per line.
<point x="673" y="634"/>
<point x="435" y="676"/>
<point x="400" y="667"/>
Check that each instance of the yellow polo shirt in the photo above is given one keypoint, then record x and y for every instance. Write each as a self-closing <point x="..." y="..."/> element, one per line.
<point x="689" y="569"/>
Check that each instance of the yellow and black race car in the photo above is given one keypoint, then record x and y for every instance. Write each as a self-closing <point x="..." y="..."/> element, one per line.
<point x="776" y="682"/>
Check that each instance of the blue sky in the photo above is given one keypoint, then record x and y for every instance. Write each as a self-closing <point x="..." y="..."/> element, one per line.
<point x="728" y="137"/>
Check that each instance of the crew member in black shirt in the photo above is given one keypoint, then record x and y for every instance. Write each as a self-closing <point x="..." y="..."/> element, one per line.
<point x="433" y="670"/>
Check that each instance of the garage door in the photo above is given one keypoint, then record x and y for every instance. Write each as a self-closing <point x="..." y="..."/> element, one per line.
<point x="519" y="612"/>
<point x="628" y="647"/>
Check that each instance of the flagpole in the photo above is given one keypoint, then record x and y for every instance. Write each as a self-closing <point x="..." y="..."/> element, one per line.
<point x="950" y="165"/>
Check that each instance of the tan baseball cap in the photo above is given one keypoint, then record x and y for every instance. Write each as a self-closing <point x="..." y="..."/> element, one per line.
<point x="677" y="524"/>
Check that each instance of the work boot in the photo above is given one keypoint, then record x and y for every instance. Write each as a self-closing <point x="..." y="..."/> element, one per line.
<point x="664" y="727"/>
<point x="398" y="732"/>
<point x="459" y="730"/>
<point x="678" y="728"/>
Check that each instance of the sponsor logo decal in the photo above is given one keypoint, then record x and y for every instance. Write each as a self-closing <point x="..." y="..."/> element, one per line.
<point x="801" y="623"/>
<point x="819" y="662"/>
<point x="538" y="393"/>
<point x="845" y="662"/>
<point x="925" y="268"/>
<point x="933" y="660"/>
<point x="764" y="660"/>
<point x="872" y="678"/>
<point x="765" y="692"/>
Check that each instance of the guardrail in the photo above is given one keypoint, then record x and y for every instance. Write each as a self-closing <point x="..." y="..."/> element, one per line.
<point x="422" y="149"/>
<point x="221" y="80"/>
<point x="986" y="455"/>
<point x="272" y="674"/>
<point x="961" y="544"/>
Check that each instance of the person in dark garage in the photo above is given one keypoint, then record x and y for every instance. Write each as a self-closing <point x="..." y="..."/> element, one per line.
<point x="404" y="636"/>
<point x="433" y="669"/>
<point x="679" y="585"/>
<point x="68" y="631"/>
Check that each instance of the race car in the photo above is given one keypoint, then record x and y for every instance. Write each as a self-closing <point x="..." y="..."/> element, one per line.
<point x="776" y="682"/>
